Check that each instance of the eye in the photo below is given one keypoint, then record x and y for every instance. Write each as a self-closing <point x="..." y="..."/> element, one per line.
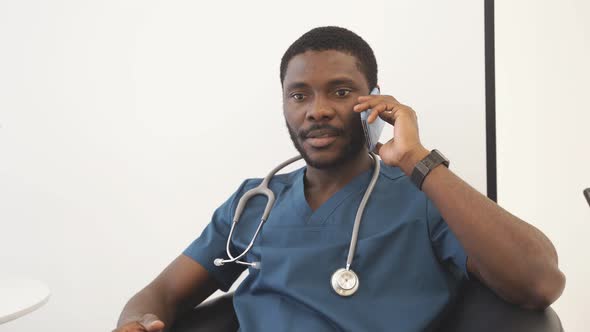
<point x="342" y="92"/>
<point x="297" y="96"/>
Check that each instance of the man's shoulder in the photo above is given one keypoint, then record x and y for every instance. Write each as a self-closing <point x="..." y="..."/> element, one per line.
<point x="394" y="180"/>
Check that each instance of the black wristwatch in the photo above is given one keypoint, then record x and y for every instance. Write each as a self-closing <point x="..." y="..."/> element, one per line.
<point x="424" y="166"/>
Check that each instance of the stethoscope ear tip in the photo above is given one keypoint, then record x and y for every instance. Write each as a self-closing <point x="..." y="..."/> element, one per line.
<point x="256" y="265"/>
<point x="218" y="262"/>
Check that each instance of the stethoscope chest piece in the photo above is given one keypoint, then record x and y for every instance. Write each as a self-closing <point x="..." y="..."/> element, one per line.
<point x="345" y="282"/>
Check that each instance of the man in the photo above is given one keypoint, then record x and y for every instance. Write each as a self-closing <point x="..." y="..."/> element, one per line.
<point x="421" y="234"/>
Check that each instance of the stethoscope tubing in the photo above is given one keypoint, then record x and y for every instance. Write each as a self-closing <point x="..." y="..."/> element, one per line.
<point x="264" y="190"/>
<point x="261" y="189"/>
<point x="361" y="210"/>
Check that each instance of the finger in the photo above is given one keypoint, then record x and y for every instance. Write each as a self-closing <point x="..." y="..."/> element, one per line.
<point x="131" y="327"/>
<point x="369" y="102"/>
<point x="151" y="323"/>
<point x="368" y="97"/>
<point x="361" y="107"/>
<point x="393" y="113"/>
<point x="376" y="110"/>
<point x="378" y="148"/>
<point x="386" y="114"/>
<point x="155" y="326"/>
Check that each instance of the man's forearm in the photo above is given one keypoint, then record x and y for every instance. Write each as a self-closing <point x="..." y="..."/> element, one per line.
<point x="513" y="257"/>
<point x="147" y="301"/>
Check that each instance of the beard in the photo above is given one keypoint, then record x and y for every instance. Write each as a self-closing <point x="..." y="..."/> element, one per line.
<point x="353" y="134"/>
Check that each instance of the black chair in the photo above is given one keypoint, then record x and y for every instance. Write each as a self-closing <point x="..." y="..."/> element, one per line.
<point x="477" y="309"/>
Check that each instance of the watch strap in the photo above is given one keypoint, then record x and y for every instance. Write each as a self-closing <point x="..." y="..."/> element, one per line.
<point x="424" y="166"/>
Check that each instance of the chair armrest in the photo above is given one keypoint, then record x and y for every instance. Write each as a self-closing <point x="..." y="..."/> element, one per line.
<point x="213" y="315"/>
<point x="480" y="309"/>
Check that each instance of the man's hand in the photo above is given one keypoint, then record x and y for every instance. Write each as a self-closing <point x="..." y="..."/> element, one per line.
<point x="404" y="150"/>
<point x="147" y="323"/>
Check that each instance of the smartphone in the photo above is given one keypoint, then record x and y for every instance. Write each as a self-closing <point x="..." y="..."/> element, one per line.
<point x="372" y="130"/>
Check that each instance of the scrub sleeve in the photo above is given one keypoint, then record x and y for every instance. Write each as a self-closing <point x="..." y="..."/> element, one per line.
<point x="446" y="246"/>
<point x="212" y="241"/>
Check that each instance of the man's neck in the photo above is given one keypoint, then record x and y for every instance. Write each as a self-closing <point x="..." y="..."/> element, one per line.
<point x="321" y="184"/>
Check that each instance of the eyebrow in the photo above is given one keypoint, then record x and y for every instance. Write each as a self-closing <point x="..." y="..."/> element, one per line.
<point x="331" y="83"/>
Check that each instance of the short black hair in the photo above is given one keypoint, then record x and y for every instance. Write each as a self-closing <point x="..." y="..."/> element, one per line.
<point x="339" y="39"/>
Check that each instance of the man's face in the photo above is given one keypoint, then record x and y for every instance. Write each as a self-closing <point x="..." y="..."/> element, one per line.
<point x="319" y="91"/>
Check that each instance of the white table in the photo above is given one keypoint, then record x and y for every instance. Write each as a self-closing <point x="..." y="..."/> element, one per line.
<point x="19" y="297"/>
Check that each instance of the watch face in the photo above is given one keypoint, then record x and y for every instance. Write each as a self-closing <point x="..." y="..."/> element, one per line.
<point x="424" y="166"/>
<point x="441" y="157"/>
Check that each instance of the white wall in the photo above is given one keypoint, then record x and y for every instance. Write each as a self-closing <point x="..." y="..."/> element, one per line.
<point x="123" y="124"/>
<point x="543" y="119"/>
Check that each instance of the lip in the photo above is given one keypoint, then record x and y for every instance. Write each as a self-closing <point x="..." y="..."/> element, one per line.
<point x="320" y="142"/>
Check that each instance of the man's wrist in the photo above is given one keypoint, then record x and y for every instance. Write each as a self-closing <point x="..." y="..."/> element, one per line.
<point x="412" y="158"/>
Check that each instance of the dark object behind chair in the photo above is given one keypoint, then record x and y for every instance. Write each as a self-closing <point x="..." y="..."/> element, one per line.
<point x="477" y="309"/>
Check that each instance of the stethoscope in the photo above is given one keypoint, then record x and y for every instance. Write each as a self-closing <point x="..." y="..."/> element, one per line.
<point x="344" y="280"/>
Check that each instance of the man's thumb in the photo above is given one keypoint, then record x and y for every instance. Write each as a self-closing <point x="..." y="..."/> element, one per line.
<point x="152" y="323"/>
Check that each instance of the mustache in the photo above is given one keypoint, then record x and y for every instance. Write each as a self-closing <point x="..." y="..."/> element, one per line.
<point x="325" y="128"/>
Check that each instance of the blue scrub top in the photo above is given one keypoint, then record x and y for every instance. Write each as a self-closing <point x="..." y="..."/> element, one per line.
<point x="408" y="261"/>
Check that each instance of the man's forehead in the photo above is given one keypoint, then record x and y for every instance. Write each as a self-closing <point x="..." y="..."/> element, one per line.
<point x="323" y="65"/>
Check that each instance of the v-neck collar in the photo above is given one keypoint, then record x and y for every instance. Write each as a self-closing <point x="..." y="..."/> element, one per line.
<point x="321" y="214"/>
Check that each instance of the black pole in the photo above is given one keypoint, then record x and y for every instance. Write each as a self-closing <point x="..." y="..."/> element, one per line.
<point x="490" y="77"/>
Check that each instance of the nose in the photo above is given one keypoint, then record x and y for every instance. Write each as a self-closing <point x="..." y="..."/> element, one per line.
<point x="320" y="110"/>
